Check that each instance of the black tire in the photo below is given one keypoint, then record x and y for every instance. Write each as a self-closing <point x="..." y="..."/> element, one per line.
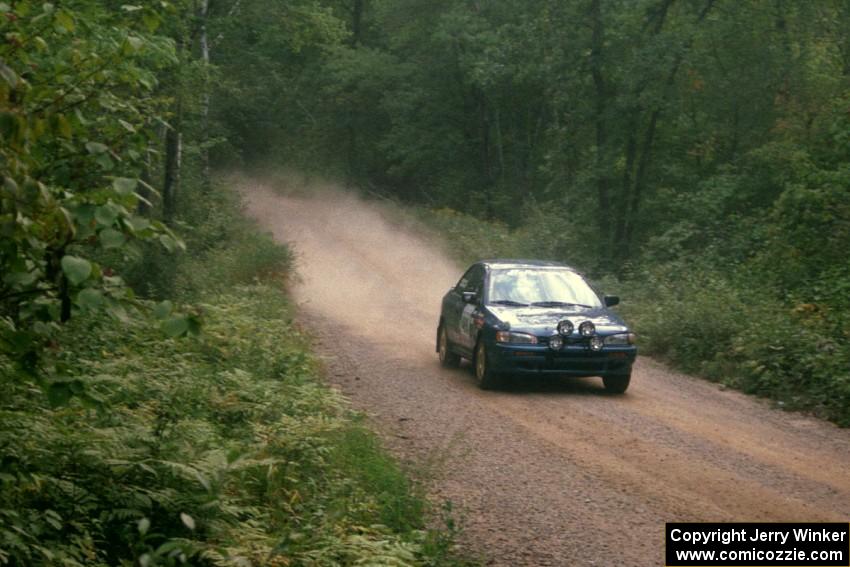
<point x="617" y="383"/>
<point x="487" y="379"/>
<point x="448" y="358"/>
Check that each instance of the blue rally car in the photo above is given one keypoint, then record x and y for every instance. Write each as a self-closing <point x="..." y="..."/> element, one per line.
<point x="532" y="317"/>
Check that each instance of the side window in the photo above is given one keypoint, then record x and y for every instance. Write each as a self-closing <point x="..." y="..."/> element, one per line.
<point x="476" y="280"/>
<point x="464" y="283"/>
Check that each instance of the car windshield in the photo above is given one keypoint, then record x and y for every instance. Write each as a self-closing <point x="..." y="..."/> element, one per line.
<point x="545" y="287"/>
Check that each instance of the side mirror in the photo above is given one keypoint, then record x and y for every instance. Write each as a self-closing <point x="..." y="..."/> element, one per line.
<point x="470" y="297"/>
<point x="611" y="300"/>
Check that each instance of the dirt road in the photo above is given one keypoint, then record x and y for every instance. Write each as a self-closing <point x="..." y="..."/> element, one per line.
<point x="550" y="472"/>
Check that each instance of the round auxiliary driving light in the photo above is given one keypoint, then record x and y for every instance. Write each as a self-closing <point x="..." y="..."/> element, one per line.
<point x="587" y="329"/>
<point x="565" y="328"/>
<point x="556" y="342"/>
<point x="596" y="343"/>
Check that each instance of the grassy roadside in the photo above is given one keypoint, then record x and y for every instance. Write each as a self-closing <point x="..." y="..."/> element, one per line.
<point x="220" y="449"/>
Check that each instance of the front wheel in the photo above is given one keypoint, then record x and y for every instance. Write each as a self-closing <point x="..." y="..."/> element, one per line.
<point x="447" y="357"/>
<point x="617" y="384"/>
<point x="484" y="374"/>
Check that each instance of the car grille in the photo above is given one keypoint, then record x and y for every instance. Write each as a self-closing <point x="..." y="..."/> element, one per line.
<point x="572" y="341"/>
<point x="576" y="363"/>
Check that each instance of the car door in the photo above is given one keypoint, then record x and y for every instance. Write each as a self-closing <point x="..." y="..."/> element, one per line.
<point x="467" y="329"/>
<point x="453" y="307"/>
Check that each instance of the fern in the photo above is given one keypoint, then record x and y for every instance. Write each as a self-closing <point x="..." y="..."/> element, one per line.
<point x="223" y="450"/>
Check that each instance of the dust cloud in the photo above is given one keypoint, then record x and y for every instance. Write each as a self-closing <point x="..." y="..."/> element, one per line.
<point x="358" y="266"/>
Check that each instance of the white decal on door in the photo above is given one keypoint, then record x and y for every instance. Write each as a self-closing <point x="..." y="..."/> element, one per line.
<point x="467" y="325"/>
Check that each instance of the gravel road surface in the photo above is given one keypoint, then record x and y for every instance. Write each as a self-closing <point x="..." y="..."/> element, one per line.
<point x="548" y="472"/>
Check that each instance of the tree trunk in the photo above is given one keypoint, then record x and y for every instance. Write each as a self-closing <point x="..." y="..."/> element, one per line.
<point x="351" y="130"/>
<point x="640" y="182"/>
<point x="621" y="212"/>
<point x="143" y="208"/>
<point x="500" y="150"/>
<point x="600" y="107"/>
<point x="205" y="97"/>
<point x="621" y="231"/>
<point x="357" y="23"/>
<point x="634" y="199"/>
<point x="173" y="151"/>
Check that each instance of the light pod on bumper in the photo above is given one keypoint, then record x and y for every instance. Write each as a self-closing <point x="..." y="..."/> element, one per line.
<point x="556" y="342"/>
<point x="596" y="343"/>
<point x="565" y="328"/>
<point x="587" y="329"/>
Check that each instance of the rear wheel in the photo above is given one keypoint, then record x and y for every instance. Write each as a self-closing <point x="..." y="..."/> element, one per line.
<point x="484" y="374"/>
<point x="447" y="357"/>
<point x="618" y="383"/>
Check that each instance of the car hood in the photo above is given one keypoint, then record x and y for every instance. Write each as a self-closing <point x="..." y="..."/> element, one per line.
<point x="544" y="320"/>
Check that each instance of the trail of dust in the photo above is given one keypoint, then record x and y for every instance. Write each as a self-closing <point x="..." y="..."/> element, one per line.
<point x="355" y="265"/>
<point x="550" y="472"/>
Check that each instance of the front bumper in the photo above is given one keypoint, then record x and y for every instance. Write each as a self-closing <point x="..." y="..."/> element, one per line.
<point x="571" y="360"/>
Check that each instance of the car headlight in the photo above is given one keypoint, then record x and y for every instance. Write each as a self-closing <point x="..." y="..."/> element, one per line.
<point x="587" y="329"/>
<point x="622" y="339"/>
<point x="565" y="328"/>
<point x="596" y="343"/>
<point x="556" y="342"/>
<point x="515" y="338"/>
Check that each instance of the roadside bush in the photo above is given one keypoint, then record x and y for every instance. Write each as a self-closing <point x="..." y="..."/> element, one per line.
<point x="791" y="356"/>
<point x="213" y="450"/>
<point x="686" y="314"/>
<point x="809" y="232"/>
<point x="225" y="249"/>
<point x="706" y="323"/>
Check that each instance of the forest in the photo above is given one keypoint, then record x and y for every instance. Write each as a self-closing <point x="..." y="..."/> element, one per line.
<point x="692" y="155"/>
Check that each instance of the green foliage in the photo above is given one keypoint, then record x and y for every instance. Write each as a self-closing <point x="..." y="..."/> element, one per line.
<point x="797" y="357"/>
<point x="217" y="448"/>
<point x="265" y="54"/>
<point x="78" y="109"/>
<point x="810" y="230"/>
<point x="547" y="235"/>
<point x="204" y="450"/>
<point x="358" y="454"/>
<point x="226" y="250"/>
<point x="129" y="439"/>
<point x="688" y="314"/>
<point x="468" y="238"/>
<point x="660" y="127"/>
<point x="704" y="322"/>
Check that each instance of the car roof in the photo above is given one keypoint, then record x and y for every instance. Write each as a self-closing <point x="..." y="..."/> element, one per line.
<point x="519" y="263"/>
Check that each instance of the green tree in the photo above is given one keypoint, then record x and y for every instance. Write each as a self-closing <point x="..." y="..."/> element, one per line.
<point x="78" y="118"/>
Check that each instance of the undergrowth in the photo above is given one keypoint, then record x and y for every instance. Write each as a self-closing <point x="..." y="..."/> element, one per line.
<point x="724" y="328"/>
<point x="220" y="449"/>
